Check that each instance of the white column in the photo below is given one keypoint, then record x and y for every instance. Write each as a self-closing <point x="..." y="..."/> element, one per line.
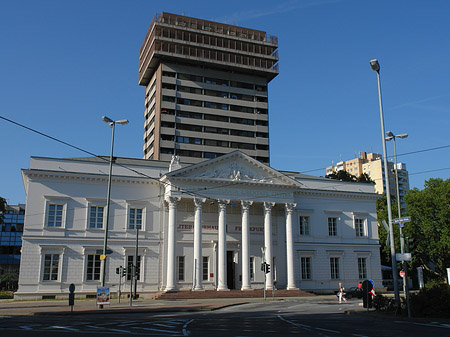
<point x="198" y="260"/>
<point x="290" y="247"/>
<point x="245" y="246"/>
<point x="171" y="243"/>
<point x="268" y="242"/>
<point x="222" y="258"/>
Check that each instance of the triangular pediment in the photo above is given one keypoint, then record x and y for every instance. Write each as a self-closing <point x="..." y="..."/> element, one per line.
<point x="233" y="167"/>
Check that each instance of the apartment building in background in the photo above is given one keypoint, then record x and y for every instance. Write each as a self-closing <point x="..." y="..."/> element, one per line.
<point x="206" y="89"/>
<point x="372" y="164"/>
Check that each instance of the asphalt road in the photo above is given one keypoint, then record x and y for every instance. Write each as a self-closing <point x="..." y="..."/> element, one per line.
<point x="290" y="317"/>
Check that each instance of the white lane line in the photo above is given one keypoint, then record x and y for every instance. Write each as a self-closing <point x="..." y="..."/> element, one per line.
<point x="356" y="335"/>
<point x="293" y="323"/>
<point x="164" y="325"/>
<point x="63" y="327"/>
<point x="326" y="330"/>
<point x="117" y="330"/>
<point x="158" y="330"/>
<point x="185" y="330"/>
<point x="445" y="326"/>
<point x="26" y="327"/>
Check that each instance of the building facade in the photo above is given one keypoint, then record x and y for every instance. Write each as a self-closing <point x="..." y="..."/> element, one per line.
<point x="372" y="164"/>
<point x="206" y="89"/>
<point x="11" y="222"/>
<point x="208" y="225"/>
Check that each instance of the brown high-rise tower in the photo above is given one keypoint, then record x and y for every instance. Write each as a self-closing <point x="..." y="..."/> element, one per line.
<point x="206" y="89"/>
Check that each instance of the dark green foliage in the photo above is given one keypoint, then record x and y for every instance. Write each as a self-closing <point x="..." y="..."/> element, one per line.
<point x="429" y="210"/>
<point x="431" y="302"/>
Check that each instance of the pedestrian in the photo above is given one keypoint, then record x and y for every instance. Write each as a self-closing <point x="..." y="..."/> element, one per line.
<point x="341" y="293"/>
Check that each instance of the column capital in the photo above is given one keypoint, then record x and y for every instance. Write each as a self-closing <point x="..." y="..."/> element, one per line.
<point x="198" y="202"/>
<point x="172" y="200"/>
<point x="290" y="207"/>
<point x="223" y="204"/>
<point x="246" y="204"/>
<point x="268" y="206"/>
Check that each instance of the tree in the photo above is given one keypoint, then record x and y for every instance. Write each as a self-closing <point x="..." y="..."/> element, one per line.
<point x="341" y="175"/>
<point x="429" y="210"/>
<point x="2" y="208"/>
<point x="365" y="178"/>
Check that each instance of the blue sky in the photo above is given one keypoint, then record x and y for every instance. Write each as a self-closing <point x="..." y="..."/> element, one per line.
<point x="64" y="64"/>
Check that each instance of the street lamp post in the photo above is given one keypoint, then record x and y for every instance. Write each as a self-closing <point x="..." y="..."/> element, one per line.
<point x="376" y="67"/>
<point x="112" y="124"/>
<point x="391" y="136"/>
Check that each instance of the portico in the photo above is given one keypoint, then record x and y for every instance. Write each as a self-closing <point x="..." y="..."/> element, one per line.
<point x="242" y="182"/>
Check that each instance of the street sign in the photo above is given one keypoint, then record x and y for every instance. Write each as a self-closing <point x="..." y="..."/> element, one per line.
<point x="102" y="257"/>
<point x="402" y="273"/>
<point x="403" y="257"/>
<point x="402" y="220"/>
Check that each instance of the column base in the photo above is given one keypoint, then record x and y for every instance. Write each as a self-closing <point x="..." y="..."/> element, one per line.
<point x="170" y="290"/>
<point x="223" y="289"/>
<point x="246" y="288"/>
<point x="198" y="289"/>
<point x="270" y="288"/>
<point x="292" y="288"/>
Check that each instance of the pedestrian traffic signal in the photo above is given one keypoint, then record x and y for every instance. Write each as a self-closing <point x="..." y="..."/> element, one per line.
<point x="263" y="267"/>
<point x="118" y="270"/>
<point x="267" y="268"/>
<point x="411" y="245"/>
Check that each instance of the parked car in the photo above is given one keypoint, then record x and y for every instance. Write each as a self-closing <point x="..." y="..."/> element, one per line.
<point x="352" y="292"/>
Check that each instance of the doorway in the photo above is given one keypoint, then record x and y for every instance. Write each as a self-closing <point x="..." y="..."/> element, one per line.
<point x="231" y="266"/>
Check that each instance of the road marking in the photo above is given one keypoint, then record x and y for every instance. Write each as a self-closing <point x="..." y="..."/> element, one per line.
<point x="333" y="331"/>
<point x="293" y="323"/>
<point x="185" y="330"/>
<point x="25" y="327"/>
<point x="117" y="330"/>
<point x="158" y="330"/>
<point x="356" y="335"/>
<point x="164" y="325"/>
<point x="63" y="327"/>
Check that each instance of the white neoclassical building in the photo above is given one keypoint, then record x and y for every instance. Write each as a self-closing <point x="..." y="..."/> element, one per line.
<point x="203" y="226"/>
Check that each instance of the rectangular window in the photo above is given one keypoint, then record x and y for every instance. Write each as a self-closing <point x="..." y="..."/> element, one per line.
<point x="96" y="216"/>
<point x="130" y="268"/>
<point x="51" y="264"/>
<point x="252" y="268"/>
<point x="135" y="218"/>
<point x="332" y="226"/>
<point x="180" y="268"/>
<point x="334" y="268"/>
<point x="205" y="268"/>
<point x="362" y="268"/>
<point x="304" y="225"/>
<point x="93" y="268"/>
<point x="359" y="227"/>
<point x="306" y="268"/>
<point x="55" y="215"/>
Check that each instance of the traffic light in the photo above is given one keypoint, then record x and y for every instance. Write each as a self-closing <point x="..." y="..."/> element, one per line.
<point x="267" y="268"/>
<point x="118" y="270"/>
<point x="263" y="267"/>
<point x="411" y="245"/>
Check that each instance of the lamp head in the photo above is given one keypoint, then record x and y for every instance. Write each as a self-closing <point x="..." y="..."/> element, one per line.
<point x="106" y="119"/>
<point x="402" y="135"/>
<point x="122" y="121"/>
<point x="375" y="65"/>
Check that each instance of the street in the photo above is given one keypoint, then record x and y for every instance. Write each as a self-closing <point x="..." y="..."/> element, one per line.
<point x="305" y="317"/>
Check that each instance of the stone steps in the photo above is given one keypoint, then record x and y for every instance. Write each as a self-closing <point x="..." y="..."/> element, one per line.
<point x="257" y="293"/>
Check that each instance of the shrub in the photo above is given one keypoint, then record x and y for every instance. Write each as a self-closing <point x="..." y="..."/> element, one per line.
<point x="433" y="301"/>
<point x="6" y="294"/>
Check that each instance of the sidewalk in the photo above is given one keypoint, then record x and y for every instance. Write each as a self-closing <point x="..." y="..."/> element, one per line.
<point x="83" y="307"/>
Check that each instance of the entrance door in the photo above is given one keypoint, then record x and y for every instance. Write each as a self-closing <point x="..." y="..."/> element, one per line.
<point x="230" y="269"/>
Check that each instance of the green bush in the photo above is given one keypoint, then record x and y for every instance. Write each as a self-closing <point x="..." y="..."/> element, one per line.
<point x="433" y="302"/>
<point x="6" y="294"/>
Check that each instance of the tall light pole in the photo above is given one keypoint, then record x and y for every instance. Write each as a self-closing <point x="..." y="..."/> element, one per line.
<point x="376" y="67"/>
<point x="391" y="136"/>
<point x="112" y="124"/>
